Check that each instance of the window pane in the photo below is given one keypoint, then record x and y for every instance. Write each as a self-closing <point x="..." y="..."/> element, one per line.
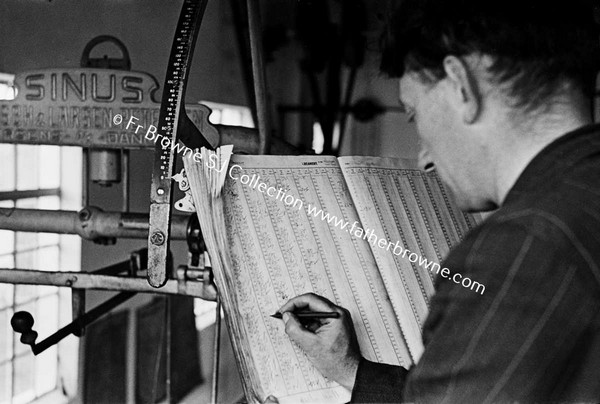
<point x="46" y="368"/>
<point x="6" y="335"/>
<point x="46" y="317"/>
<point x="26" y="259"/>
<point x="23" y="376"/>
<point x="25" y="241"/>
<point x="7" y="241"/>
<point x="231" y="117"/>
<point x="215" y="117"/>
<point x="71" y="178"/>
<point x="7" y="167"/>
<point x="205" y="313"/>
<point x="46" y="365"/>
<point x="8" y="91"/>
<point x="48" y="202"/>
<point x="25" y="293"/>
<point x="44" y="290"/>
<point x="27" y="167"/>
<point x="5" y="377"/>
<point x="49" y="167"/>
<point x="24" y="368"/>
<point x="48" y="239"/>
<point x="7" y="261"/>
<point x="48" y="260"/>
<point x="229" y="114"/>
<point x="27" y="203"/>
<point x="6" y="296"/>
<point x="247" y="119"/>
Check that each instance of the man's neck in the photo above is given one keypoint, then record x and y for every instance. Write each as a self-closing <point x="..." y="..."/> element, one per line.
<point x="527" y="139"/>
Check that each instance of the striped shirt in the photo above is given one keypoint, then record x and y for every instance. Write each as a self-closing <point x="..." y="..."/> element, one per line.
<point x="534" y="335"/>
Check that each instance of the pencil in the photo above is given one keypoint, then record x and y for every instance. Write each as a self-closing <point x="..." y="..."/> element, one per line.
<point x="310" y="314"/>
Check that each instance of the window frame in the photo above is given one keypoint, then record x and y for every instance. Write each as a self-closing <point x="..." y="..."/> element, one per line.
<point x="68" y="257"/>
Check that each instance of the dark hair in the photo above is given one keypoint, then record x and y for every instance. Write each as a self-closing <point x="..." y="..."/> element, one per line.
<point x="536" y="45"/>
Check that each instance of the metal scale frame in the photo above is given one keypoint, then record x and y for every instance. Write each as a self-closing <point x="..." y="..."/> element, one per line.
<point x="160" y="226"/>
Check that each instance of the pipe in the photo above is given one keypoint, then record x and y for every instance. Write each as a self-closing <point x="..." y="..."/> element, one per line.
<point x="84" y="280"/>
<point x="91" y="223"/>
<point x="125" y="175"/>
<point x="240" y="23"/>
<point x="217" y="355"/>
<point x="258" y="73"/>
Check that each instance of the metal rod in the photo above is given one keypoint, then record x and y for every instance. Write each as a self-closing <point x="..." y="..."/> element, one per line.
<point x="131" y="355"/>
<point x="85" y="178"/>
<point x="168" y="348"/>
<point x="82" y="280"/>
<point x="332" y="99"/>
<point x="346" y="107"/>
<point x="11" y="195"/>
<point x="78" y="308"/>
<point x="258" y="72"/>
<point x="315" y="91"/>
<point x="84" y="320"/>
<point x="125" y="175"/>
<point x="240" y="23"/>
<point x="90" y="223"/>
<point x="216" y="357"/>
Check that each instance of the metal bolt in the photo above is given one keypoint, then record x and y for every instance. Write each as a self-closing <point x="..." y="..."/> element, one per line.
<point x="157" y="238"/>
<point x="84" y="214"/>
<point x="160" y="191"/>
<point x="71" y="281"/>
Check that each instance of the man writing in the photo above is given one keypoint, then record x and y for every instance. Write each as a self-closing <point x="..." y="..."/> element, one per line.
<point x="500" y="93"/>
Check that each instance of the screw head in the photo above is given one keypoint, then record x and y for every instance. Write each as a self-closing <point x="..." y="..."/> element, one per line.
<point x="157" y="238"/>
<point x="84" y="214"/>
<point x="160" y="191"/>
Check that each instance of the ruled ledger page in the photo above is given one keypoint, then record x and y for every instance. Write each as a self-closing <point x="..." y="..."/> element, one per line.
<point x="285" y="248"/>
<point x="408" y="208"/>
<point x="284" y="226"/>
<point x="284" y="245"/>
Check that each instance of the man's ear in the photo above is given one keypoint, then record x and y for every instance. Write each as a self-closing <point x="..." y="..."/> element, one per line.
<point x="465" y="86"/>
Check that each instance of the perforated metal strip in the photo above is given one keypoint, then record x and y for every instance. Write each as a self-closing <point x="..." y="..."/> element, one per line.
<point x="172" y="105"/>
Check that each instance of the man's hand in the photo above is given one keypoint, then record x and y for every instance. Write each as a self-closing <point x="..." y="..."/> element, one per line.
<point x="329" y="343"/>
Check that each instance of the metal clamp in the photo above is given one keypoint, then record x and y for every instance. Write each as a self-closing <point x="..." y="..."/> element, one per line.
<point x="195" y="270"/>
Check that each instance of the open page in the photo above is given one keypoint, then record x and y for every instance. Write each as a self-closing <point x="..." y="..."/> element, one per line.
<point x="287" y="222"/>
<point x="410" y="223"/>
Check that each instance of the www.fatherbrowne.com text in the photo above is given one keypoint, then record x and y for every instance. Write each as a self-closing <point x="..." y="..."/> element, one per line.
<point x="255" y="182"/>
<point x="281" y="195"/>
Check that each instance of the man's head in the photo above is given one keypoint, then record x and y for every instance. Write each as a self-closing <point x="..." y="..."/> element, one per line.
<point x="478" y="75"/>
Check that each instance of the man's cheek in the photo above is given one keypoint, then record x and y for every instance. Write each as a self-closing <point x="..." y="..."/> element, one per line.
<point x="443" y="174"/>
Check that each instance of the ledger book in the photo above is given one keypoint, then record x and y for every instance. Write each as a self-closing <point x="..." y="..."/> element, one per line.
<point x="367" y="233"/>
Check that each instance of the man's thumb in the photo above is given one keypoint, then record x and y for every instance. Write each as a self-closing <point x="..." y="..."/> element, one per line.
<point x="295" y="330"/>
